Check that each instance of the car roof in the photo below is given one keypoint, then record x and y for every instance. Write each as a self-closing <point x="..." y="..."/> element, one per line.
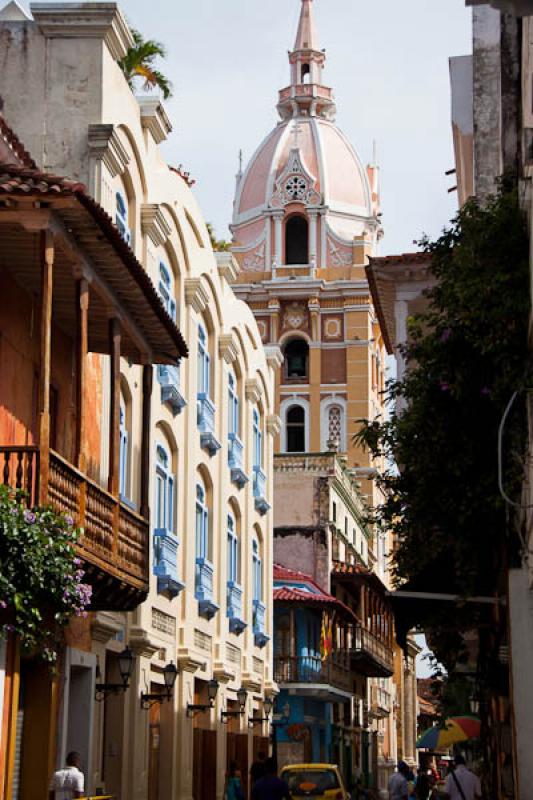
<point x="310" y="766"/>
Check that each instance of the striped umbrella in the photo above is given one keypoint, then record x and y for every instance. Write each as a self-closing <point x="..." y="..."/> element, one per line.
<point x="454" y="730"/>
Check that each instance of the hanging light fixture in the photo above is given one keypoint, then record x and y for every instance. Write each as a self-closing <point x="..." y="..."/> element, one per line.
<point x="242" y="696"/>
<point x="212" y="691"/>
<point x="126" y="664"/>
<point x="170" y="673"/>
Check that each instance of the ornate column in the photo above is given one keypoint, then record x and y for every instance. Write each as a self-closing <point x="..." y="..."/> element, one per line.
<point x="82" y="309"/>
<point x="278" y="238"/>
<point x="312" y="214"/>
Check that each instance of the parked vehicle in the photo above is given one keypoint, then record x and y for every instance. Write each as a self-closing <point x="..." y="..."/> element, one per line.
<point x="320" y="781"/>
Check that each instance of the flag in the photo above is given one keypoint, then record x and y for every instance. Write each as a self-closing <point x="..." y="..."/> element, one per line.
<point x="326" y="636"/>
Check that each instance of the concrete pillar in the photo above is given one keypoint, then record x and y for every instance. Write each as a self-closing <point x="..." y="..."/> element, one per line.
<point x="278" y="237"/>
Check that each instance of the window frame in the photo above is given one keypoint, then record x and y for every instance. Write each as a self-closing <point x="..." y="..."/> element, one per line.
<point x="202" y="522"/>
<point x="204" y="362"/>
<point x="165" y="491"/>
<point x="233" y="555"/>
<point x="122" y="216"/>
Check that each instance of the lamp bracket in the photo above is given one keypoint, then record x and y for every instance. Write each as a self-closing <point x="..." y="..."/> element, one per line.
<point x="103" y="690"/>
<point x="196" y="708"/>
<point x="149" y="700"/>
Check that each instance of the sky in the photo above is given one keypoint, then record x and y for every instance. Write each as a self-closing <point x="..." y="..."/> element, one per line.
<point x="387" y="62"/>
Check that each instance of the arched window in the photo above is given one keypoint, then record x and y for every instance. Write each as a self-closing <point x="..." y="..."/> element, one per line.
<point x="258" y="440"/>
<point x="166" y="289"/>
<point x="257" y="572"/>
<point x="296" y="240"/>
<point x="204" y="363"/>
<point x="306" y="73"/>
<point x="121" y="216"/>
<point x="165" y="497"/>
<point x="296" y="355"/>
<point x="233" y="551"/>
<point x="202" y="523"/>
<point x="295" y="429"/>
<point x="123" y="473"/>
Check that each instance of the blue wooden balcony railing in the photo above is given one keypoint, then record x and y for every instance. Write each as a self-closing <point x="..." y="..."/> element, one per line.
<point x="259" y="623"/>
<point x="206" y="424"/>
<point x="166" y="562"/>
<point x="236" y="460"/>
<point x="169" y="378"/>
<point x="204" y="588"/>
<point x="261" y="503"/>
<point x="234" y="612"/>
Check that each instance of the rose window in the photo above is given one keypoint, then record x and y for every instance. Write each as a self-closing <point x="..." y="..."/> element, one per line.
<point x="296" y="188"/>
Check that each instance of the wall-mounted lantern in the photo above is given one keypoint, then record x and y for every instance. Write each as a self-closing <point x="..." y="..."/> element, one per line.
<point x="242" y="695"/>
<point x="212" y="690"/>
<point x="126" y="663"/>
<point x="268" y="704"/>
<point x="170" y="673"/>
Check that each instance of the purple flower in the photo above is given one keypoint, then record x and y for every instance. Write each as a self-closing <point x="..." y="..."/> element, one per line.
<point x="14" y="512"/>
<point x="29" y="517"/>
<point x="444" y="387"/>
<point x="3" y="604"/>
<point x="77" y="562"/>
<point x="69" y="520"/>
<point x="445" y="335"/>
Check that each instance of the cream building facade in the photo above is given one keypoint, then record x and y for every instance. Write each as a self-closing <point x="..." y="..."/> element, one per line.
<point x="209" y="608"/>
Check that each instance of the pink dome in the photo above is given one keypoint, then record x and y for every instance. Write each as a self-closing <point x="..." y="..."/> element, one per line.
<point x="327" y="156"/>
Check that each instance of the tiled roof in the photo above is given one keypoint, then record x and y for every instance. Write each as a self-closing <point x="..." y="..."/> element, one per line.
<point x="28" y="180"/>
<point x="419" y="257"/>
<point x="282" y="573"/>
<point x="15" y="145"/>
<point x="341" y="568"/>
<point x="292" y="594"/>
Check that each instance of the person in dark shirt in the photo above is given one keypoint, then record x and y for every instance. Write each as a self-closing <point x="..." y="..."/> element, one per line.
<point x="270" y="787"/>
<point x="257" y="769"/>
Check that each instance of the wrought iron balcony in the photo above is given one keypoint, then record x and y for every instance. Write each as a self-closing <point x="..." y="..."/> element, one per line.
<point x="204" y="588"/>
<point x="114" y="539"/>
<point x="206" y="424"/>
<point x="166" y="562"/>
<point x="234" y="612"/>
<point x="261" y="503"/>
<point x="235" y="460"/>
<point x="261" y="638"/>
<point x="371" y="655"/>
<point x="323" y="676"/>
<point x="169" y="378"/>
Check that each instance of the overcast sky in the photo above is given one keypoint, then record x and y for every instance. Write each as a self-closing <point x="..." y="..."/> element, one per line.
<point x="387" y="63"/>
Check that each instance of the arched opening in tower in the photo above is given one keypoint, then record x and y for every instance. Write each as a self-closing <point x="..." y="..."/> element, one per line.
<point x="306" y="73"/>
<point x="296" y="354"/>
<point x="295" y="429"/>
<point x="296" y="241"/>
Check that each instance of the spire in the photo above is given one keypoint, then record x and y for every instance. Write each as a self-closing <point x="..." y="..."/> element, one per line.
<point x="306" y="38"/>
<point x="306" y="96"/>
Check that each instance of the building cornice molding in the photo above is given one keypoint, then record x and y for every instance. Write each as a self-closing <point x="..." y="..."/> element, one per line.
<point x="196" y="295"/>
<point x="85" y="21"/>
<point x="273" y="424"/>
<point x="222" y="672"/>
<point x="189" y="661"/>
<point x="104" y="627"/>
<point x="227" y="347"/>
<point x="105" y="145"/>
<point x="252" y="390"/>
<point x="228" y="266"/>
<point x="142" y="643"/>
<point x="154" y="118"/>
<point x="154" y="223"/>
<point x="274" y="356"/>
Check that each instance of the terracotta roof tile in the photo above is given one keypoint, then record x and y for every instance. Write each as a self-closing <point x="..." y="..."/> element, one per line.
<point x="15" y="145"/>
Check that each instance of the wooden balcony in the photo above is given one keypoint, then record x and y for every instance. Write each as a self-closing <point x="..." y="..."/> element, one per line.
<point x="371" y="656"/>
<point x="114" y="543"/>
<point x="328" y="680"/>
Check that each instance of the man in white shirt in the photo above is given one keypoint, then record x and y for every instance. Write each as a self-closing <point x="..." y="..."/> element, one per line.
<point x="398" y="788"/>
<point x="68" y="783"/>
<point x="461" y="784"/>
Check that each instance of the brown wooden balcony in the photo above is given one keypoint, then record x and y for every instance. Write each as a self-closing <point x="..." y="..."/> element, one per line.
<point x="371" y="656"/>
<point x="328" y="680"/>
<point x="114" y="542"/>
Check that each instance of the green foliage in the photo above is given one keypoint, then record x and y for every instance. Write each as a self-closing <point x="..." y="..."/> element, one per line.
<point x="218" y="245"/>
<point x="139" y="62"/>
<point x="466" y="356"/>
<point x="41" y="580"/>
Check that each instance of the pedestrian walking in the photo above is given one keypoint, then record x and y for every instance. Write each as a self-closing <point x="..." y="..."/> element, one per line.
<point x="270" y="787"/>
<point x="424" y="786"/>
<point x="257" y="769"/>
<point x="461" y="783"/>
<point x="68" y="783"/>
<point x="233" y="789"/>
<point x="398" y="785"/>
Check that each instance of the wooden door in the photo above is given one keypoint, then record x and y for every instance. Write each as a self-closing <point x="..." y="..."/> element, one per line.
<point x="241" y="745"/>
<point x="154" y="743"/>
<point x="204" y="765"/>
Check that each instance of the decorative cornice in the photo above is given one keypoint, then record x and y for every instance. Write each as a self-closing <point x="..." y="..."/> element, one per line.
<point x="228" y="266"/>
<point x="252" y="390"/>
<point x="273" y="424"/>
<point x="104" y="627"/>
<point x="274" y="356"/>
<point x="85" y="21"/>
<point x="227" y="347"/>
<point x="105" y="145"/>
<point x="251" y="682"/>
<point x="154" y="223"/>
<point x="222" y="672"/>
<point x="142" y="643"/>
<point x="195" y="294"/>
<point x="154" y="118"/>
<point x="189" y="661"/>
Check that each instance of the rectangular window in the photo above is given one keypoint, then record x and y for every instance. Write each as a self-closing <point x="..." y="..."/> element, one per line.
<point x="334" y="511"/>
<point x="204" y="363"/>
<point x="258" y="441"/>
<point x="233" y="406"/>
<point x="123" y="455"/>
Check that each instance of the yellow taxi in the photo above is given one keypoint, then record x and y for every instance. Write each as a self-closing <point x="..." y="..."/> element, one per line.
<point x="319" y="781"/>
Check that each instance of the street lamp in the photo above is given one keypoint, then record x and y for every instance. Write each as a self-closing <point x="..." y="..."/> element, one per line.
<point x="267" y="710"/>
<point x="170" y="673"/>
<point x="126" y="662"/>
<point x="212" y="690"/>
<point x="242" y="696"/>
